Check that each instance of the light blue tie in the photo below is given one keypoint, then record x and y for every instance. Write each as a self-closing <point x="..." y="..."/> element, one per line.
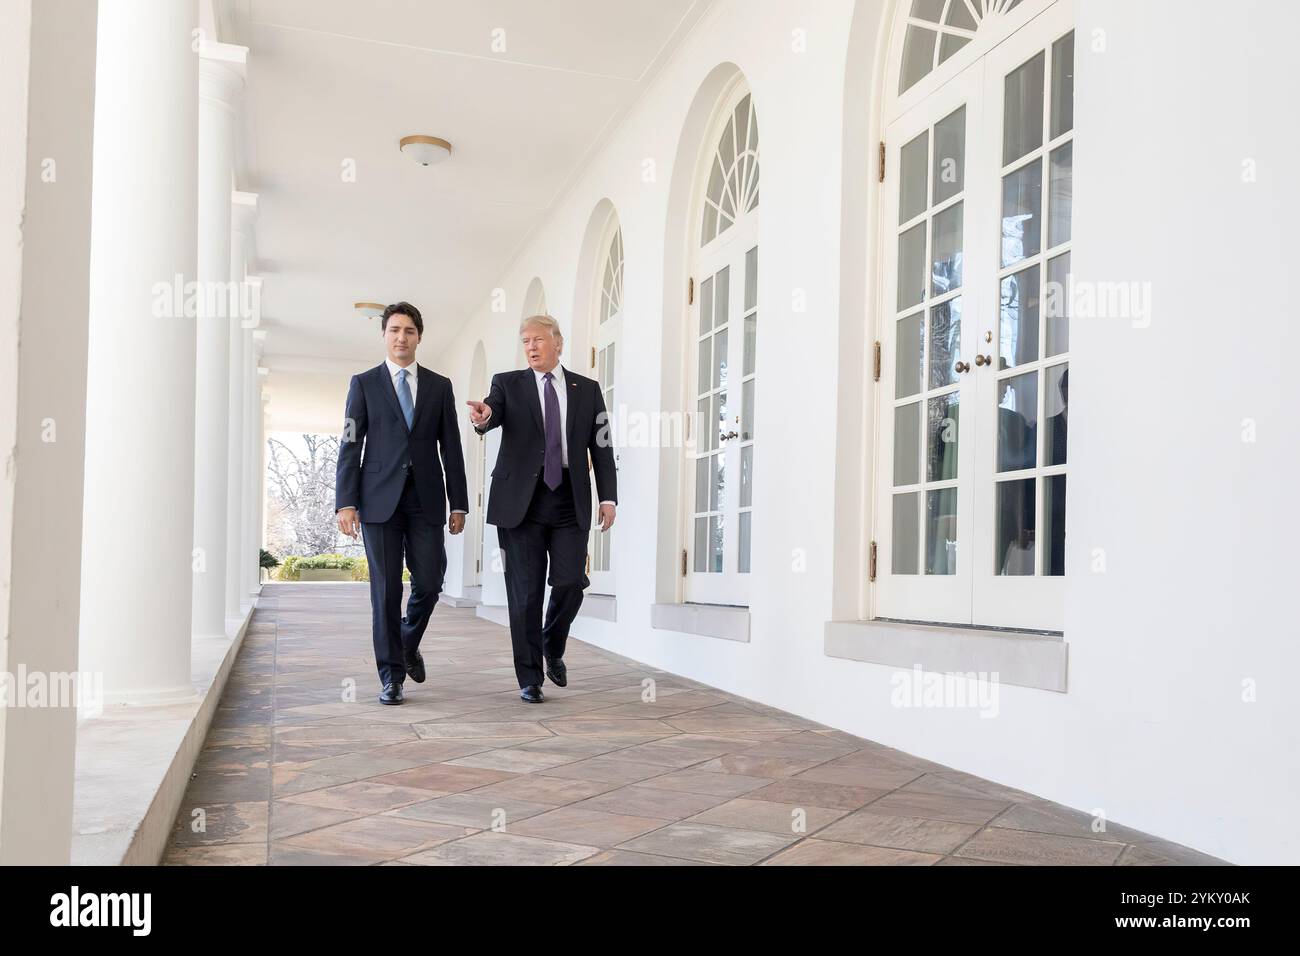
<point x="404" y="397"/>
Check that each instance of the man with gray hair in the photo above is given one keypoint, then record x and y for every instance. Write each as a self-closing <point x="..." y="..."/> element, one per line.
<point x="552" y="419"/>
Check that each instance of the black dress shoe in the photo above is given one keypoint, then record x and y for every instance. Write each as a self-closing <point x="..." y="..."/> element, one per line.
<point x="532" y="694"/>
<point x="414" y="661"/>
<point x="557" y="672"/>
<point x="392" y="693"/>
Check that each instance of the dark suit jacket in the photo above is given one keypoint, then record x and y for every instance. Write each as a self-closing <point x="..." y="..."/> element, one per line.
<point x="517" y="408"/>
<point x="373" y="484"/>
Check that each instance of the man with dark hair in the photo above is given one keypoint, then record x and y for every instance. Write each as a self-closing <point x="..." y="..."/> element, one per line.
<point x="397" y="494"/>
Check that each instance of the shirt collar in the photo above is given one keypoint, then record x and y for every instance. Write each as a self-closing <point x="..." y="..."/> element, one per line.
<point x="558" y="372"/>
<point x="393" y="369"/>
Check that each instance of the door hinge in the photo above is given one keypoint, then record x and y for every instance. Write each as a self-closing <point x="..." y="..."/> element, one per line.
<point x="875" y="362"/>
<point x="871" y="563"/>
<point x="882" y="161"/>
<point x="593" y="356"/>
<point x="683" y="562"/>
<point x="690" y="290"/>
<point x="687" y="439"/>
<point x="480" y="499"/>
<point x="478" y="565"/>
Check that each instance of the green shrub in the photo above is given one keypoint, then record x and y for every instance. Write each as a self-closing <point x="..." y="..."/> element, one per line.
<point x="332" y="562"/>
<point x="266" y="559"/>
<point x="288" y="569"/>
<point x="361" y="570"/>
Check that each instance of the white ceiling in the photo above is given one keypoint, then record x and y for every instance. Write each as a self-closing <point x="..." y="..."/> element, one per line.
<point x="331" y="81"/>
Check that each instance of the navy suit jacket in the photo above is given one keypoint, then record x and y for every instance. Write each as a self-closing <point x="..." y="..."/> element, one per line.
<point x="373" y="483"/>
<point x="517" y="409"/>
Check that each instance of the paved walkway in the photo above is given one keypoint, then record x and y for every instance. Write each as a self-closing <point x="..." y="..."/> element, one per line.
<point x="466" y="773"/>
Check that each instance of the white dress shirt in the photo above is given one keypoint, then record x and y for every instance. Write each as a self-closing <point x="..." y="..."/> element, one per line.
<point x="412" y="379"/>
<point x="562" y="393"/>
<point x="412" y="382"/>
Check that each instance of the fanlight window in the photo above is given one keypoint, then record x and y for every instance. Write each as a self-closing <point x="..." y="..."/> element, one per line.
<point x="936" y="29"/>
<point x="733" y="179"/>
<point x="611" y="294"/>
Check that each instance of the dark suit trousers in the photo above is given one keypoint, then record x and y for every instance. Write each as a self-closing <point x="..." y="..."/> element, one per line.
<point x="549" y="530"/>
<point x="412" y="532"/>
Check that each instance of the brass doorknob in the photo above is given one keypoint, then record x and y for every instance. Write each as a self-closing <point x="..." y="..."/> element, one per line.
<point x="984" y="360"/>
<point x="728" y="436"/>
<point x="962" y="366"/>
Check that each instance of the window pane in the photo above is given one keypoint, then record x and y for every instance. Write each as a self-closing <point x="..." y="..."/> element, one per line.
<point x="751" y="279"/>
<point x="746" y="476"/>
<point x="707" y="437"/>
<point x="717" y="481"/>
<point x="1022" y="207"/>
<point x="906" y="533"/>
<point x="715" y="543"/>
<point x="913" y="195"/>
<point x="706" y="305"/>
<point x="1018" y="323"/>
<point x="959" y="16"/>
<point x="1063" y="85"/>
<point x="945" y="343"/>
<point x="722" y="293"/>
<point x="950" y="156"/>
<point x="1018" y="422"/>
<point x="930" y="10"/>
<point x="747" y="411"/>
<point x="941" y="441"/>
<point x="1022" y="113"/>
<point x="941" y="531"/>
<point x="720" y="359"/>
<point x="706" y="363"/>
<point x="1060" y="195"/>
<point x="1056" y="403"/>
<point x="1014" y="545"/>
<point x="911" y="267"/>
<point x="742" y="564"/>
<point x="751" y="339"/>
<point x="702" y="484"/>
<point x="950" y="44"/>
<point x="908" y="356"/>
<point x="907" y="438"/>
<point x="701" y="562"/>
<point x="918" y="56"/>
<point x="1057" y="303"/>
<point x="1054" y="515"/>
<point x="719" y="417"/>
<point x="945" y="269"/>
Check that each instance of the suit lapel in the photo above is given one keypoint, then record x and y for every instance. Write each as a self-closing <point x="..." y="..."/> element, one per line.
<point x="532" y="399"/>
<point x="423" y="396"/>
<point x="571" y="414"/>
<point x="386" y="383"/>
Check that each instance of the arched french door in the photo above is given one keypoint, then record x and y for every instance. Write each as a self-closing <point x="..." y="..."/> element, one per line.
<point x="969" y="514"/>
<point x="607" y="325"/>
<point x="721" y="372"/>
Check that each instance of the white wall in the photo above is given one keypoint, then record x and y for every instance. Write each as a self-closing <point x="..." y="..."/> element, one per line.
<point x="1153" y="731"/>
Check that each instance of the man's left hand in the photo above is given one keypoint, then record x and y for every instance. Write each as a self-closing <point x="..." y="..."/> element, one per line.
<point x="456" y="523"/>
<point x="606" y="517"/>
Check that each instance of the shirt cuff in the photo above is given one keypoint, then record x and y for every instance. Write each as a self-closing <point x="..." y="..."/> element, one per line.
<point x="614" y="503"/>
<point x="457" y="511"/>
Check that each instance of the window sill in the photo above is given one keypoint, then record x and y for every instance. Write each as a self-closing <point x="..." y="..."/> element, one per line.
<point x="706" y="620"/>
<point x="599" y="607"/>
<point x="1020" y="659"/>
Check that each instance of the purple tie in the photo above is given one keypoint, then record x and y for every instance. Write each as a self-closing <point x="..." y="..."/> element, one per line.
<point x="553" y="462"/>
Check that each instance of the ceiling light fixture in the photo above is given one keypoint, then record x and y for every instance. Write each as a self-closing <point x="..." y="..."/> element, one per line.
<point x="425" y="150"/>
<point x="368" y="310"/>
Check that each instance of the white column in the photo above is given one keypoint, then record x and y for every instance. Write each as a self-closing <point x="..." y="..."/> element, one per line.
<point x="254" y="475"/>
<point x="138" y="528"/>
<point x="243" y="211"/>
<point x="221" y="81"/>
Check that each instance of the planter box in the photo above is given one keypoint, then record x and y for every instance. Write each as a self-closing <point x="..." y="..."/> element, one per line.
<point x="324" y="574"/>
